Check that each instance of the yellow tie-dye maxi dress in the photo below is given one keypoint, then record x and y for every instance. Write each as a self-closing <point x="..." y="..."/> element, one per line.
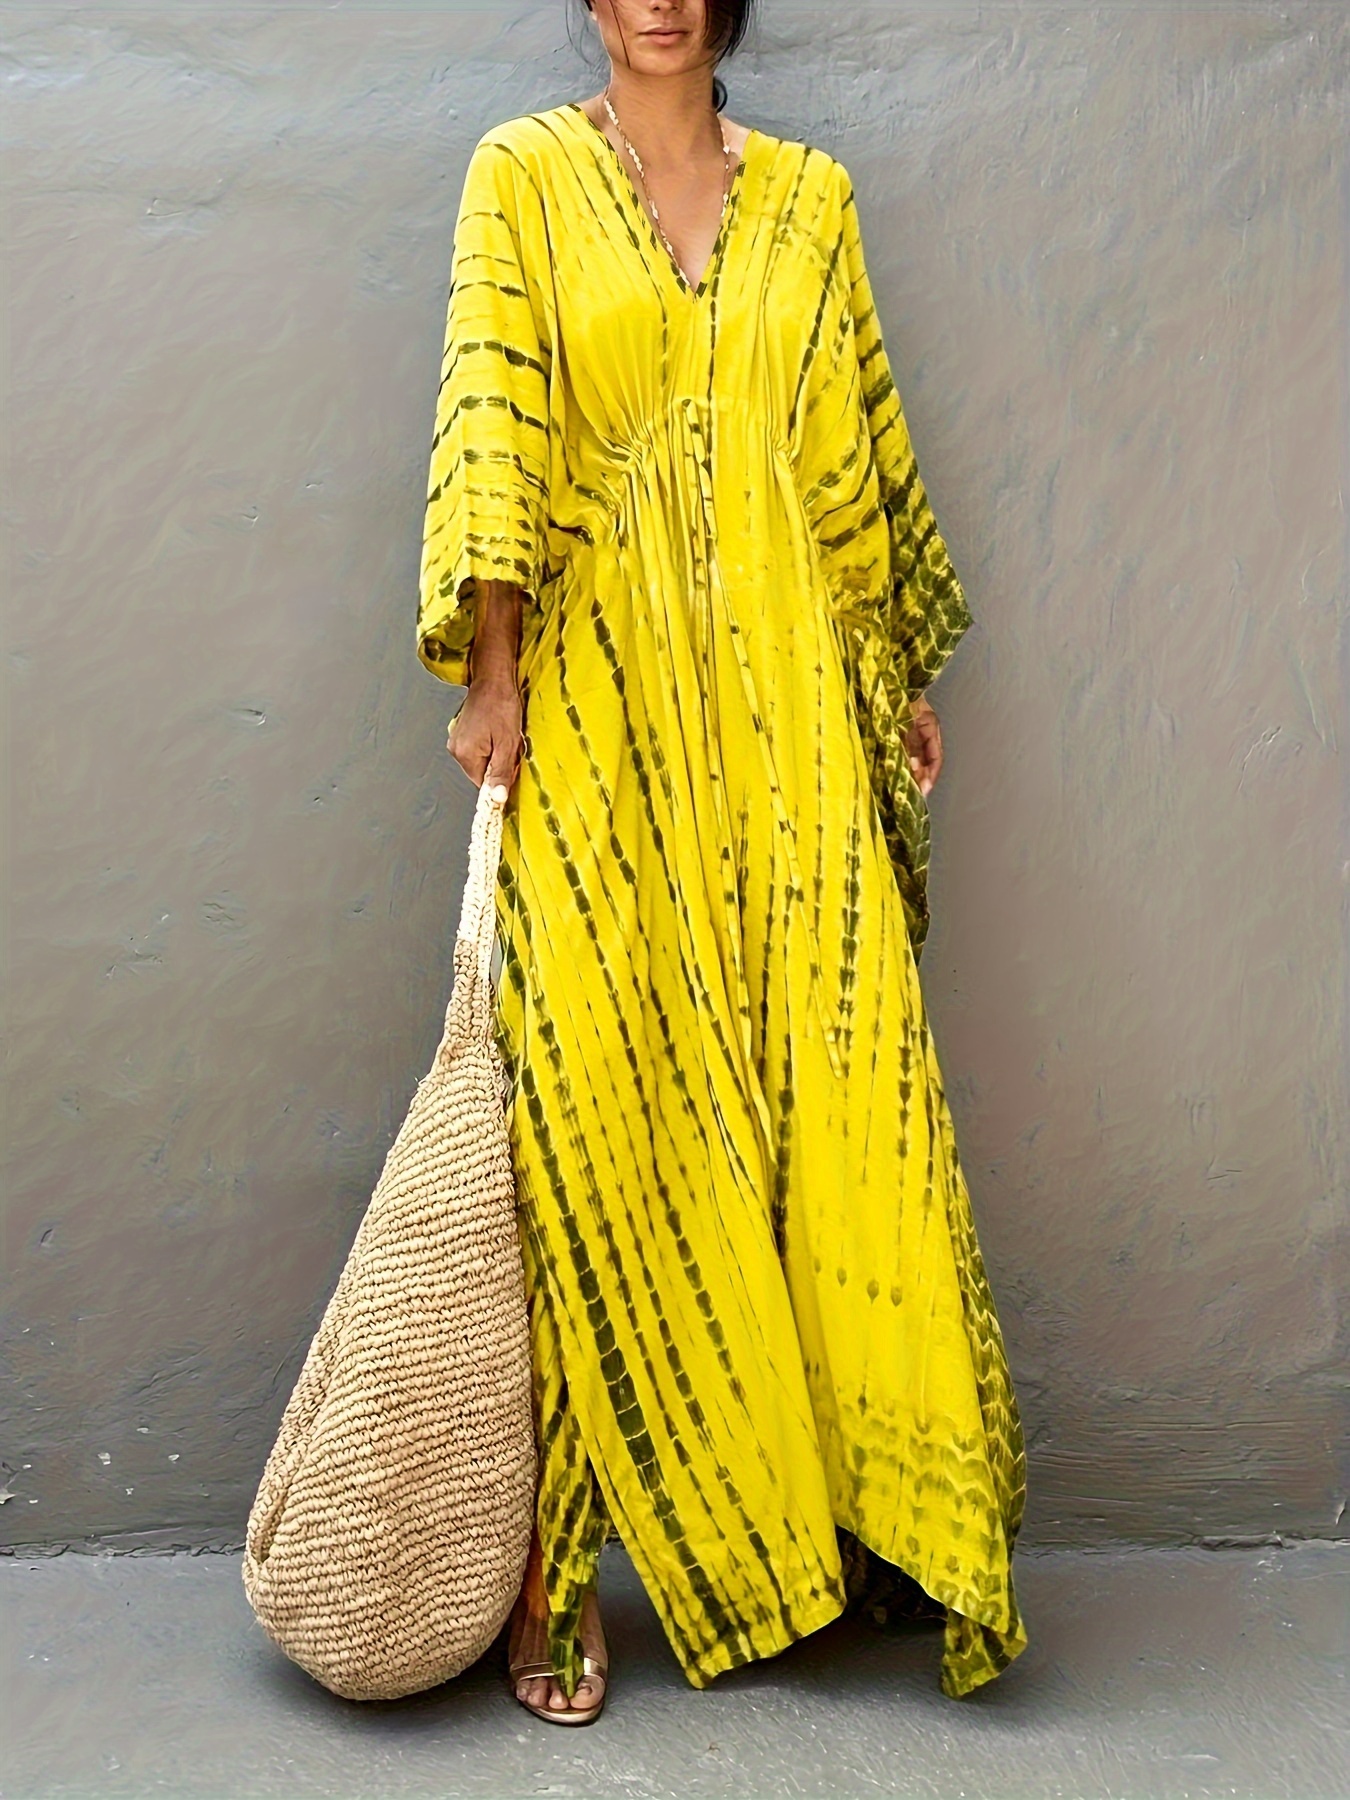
<point x="760" y="1318"/>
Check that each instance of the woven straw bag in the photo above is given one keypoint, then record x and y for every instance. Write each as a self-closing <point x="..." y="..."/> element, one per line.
<point x="388" y="1538"/>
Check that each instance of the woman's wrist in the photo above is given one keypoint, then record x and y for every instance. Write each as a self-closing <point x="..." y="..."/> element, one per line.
<point x="493" y="681"/>
<point x="495" y="646"/>
<point x="492" y="668"/>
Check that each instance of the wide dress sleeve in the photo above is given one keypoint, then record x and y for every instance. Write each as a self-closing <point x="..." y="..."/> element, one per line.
<point x="487" y="494"/>
<point x="925" y="614"/>
<point x="898" y="639"/>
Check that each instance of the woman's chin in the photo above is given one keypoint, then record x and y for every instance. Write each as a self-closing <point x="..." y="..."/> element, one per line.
<point x="677" y="57"/>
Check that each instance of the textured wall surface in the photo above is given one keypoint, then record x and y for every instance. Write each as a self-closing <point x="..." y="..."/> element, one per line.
<point x="1110" y="247"/>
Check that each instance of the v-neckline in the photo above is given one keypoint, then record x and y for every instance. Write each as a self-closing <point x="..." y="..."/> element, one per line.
<point x="712" y="267"/>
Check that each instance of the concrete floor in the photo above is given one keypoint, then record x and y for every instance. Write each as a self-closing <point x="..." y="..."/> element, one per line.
<point x="1151" y="1673"/>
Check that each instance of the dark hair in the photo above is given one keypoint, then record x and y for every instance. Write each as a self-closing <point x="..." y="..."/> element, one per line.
<point x="728" y="22"/>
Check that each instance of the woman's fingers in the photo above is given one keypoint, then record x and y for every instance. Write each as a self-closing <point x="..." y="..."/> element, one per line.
<point x="924" y="745"/>
<point x="505" y="758"/>
<point x="933" y="750"/>
<point x="504" y="763"/>
<point x="485" y="738"/>
<point x="472" y="757"/>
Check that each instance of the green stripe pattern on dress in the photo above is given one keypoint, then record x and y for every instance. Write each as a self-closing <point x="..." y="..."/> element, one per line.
<point x="762" y="1327"/>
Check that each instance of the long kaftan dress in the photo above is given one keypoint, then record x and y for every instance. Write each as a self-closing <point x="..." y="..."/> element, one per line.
<point x="761" y="1324"/>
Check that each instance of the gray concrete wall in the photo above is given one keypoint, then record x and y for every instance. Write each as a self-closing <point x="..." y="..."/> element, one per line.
<point x="1110" y="247"/>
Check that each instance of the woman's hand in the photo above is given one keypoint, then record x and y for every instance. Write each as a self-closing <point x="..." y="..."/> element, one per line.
<point x="923" y="744"/>
<point x="485" y="734"/>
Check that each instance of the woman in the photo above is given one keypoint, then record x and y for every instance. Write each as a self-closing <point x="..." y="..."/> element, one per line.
<point x="678" y="550"/>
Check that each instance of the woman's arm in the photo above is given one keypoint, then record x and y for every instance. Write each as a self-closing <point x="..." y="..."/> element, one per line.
<point x="485" y="734"/>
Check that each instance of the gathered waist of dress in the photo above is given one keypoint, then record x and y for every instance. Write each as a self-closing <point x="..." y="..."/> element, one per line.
<point x="727" y="427"/>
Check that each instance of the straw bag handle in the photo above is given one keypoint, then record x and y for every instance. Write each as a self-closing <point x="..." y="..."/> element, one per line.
<point x="469" y="1014"/>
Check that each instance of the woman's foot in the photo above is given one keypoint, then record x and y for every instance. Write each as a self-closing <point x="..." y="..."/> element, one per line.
<point x="541" y="1690"/>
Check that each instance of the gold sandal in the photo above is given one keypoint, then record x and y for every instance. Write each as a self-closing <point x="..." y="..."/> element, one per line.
<point x="591" y="1666"/>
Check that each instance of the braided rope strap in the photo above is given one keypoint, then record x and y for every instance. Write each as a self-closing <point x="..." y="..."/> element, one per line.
<point x="388" y="1537"/>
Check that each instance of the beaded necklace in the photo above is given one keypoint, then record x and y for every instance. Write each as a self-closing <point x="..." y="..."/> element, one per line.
<point x="642" y="182"/>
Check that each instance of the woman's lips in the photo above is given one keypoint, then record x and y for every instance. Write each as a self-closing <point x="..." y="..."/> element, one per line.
<point x="664" y="37"/>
